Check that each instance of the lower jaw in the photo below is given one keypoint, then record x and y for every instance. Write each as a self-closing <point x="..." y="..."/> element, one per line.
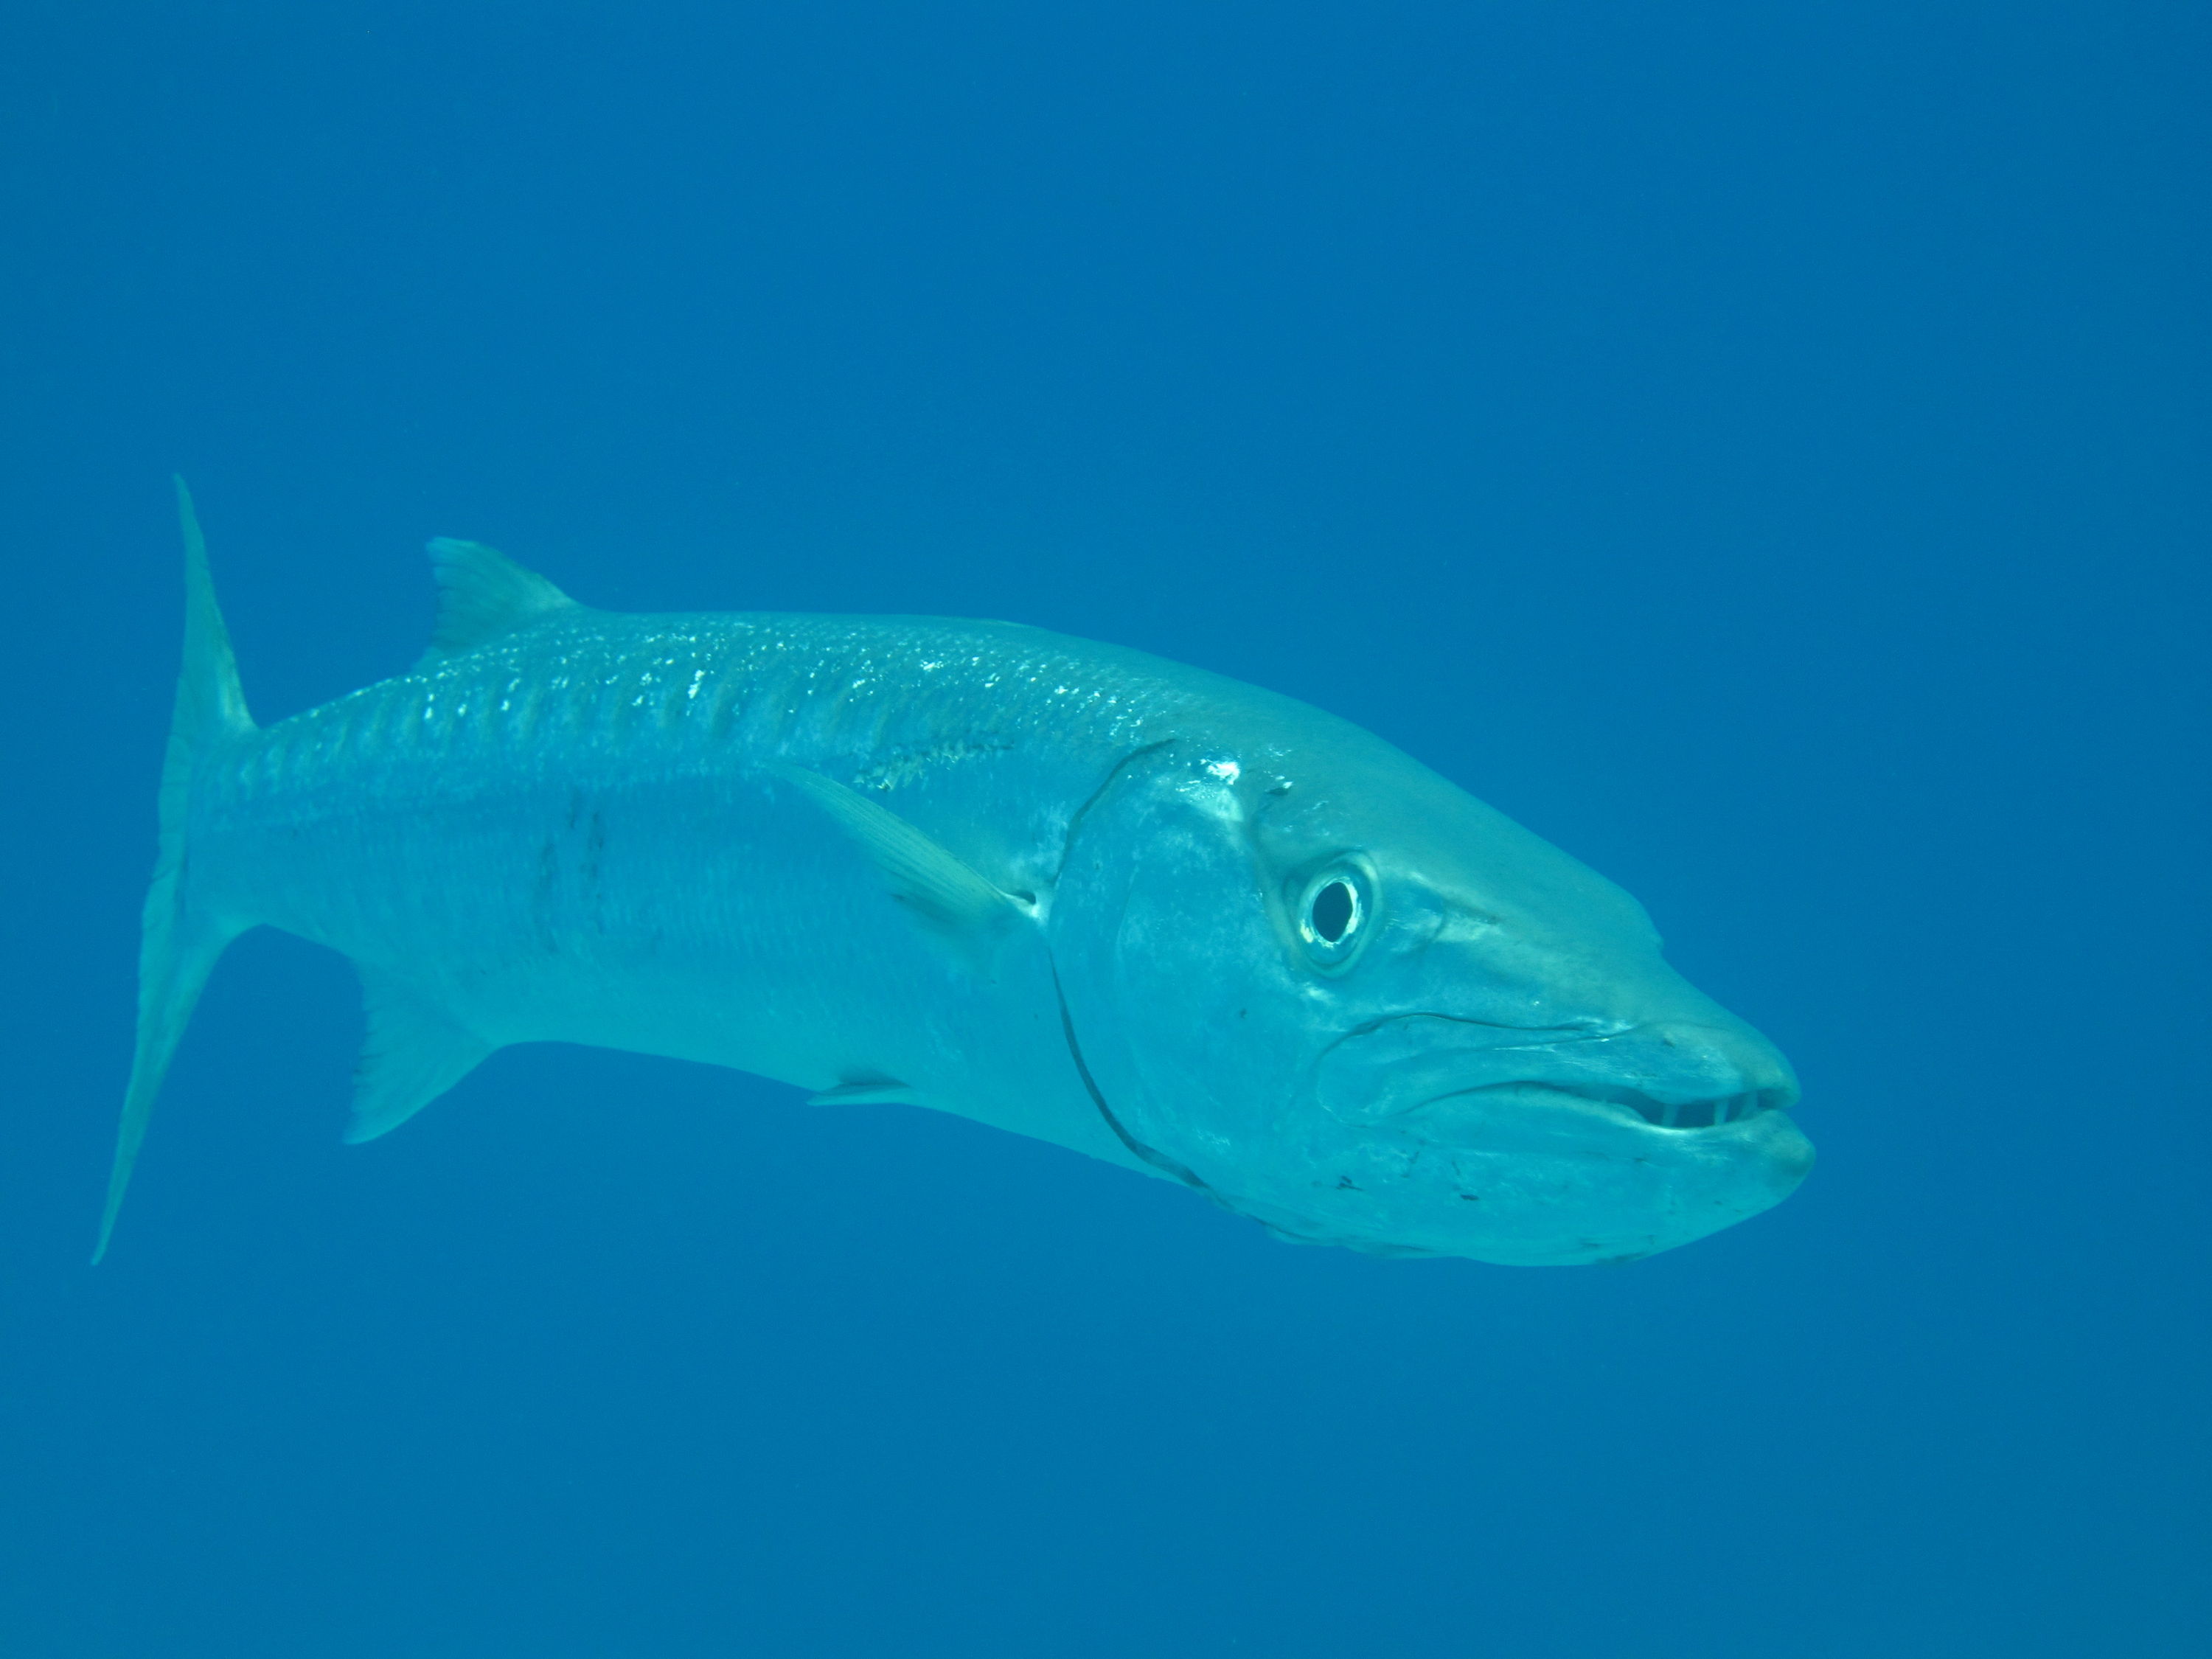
<point x="1569" y="1182"/>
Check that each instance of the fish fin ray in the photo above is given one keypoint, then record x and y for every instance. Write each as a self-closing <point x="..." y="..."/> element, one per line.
<point x="944" y="893"/>
<point x="180" y="936"/>
<point x="413" y="1053"/>
<point x="483" y="595"/>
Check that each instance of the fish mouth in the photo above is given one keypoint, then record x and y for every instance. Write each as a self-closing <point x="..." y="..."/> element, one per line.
<point x="1603" y="1140"/>
<point x="1624" y="1105"/>
<point x="1680" y="1078"/>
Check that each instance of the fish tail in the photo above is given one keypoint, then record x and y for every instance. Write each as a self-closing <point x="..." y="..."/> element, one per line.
<point x="181" y="938"/>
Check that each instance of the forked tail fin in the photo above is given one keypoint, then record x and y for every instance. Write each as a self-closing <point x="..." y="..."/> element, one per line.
<point x="180" y="939"/>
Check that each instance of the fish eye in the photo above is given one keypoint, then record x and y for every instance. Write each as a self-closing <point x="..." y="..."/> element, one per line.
<point x="1332" y="913"/>
<point x="1332" y="910"/>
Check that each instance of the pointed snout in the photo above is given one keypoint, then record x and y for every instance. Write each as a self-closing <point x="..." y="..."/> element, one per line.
<point x="1685" y="1060"/>
<point x="1691" y="1073"/>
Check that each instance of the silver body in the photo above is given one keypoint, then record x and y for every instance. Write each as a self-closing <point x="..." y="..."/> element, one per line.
<point x="566" y="834"/>
<point x="1064" y="888"/>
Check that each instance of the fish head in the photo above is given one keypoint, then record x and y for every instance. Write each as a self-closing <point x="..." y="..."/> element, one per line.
<point x="1357" y="1004"/>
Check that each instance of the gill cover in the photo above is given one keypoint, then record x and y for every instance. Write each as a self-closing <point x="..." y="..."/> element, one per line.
<point x="1181" y="971"/>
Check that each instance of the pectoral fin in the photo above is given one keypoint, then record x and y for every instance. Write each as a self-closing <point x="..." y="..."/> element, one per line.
<point x="942" y="894"/>
<point x="413" y="1053"/>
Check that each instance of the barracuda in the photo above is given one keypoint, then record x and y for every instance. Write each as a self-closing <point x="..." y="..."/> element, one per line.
<point x="1141" y="911"/>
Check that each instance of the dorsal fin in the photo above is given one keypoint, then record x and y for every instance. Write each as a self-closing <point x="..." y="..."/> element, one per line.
<point x="483" y="594"/>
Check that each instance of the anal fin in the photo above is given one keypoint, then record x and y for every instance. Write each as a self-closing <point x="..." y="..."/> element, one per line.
<point x="413" y="1053"/>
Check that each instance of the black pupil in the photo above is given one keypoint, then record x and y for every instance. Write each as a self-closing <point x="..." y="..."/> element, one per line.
<point x="1331" y="911"/>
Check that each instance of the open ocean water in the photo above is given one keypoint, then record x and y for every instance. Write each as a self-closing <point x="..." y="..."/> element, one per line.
<point x="1762" y="448"/>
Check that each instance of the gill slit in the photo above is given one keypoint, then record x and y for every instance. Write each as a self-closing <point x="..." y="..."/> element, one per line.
<point x="1075" y="823"/>
<point x="1148" y="1155"/>
<point x="1157" y="1158"/>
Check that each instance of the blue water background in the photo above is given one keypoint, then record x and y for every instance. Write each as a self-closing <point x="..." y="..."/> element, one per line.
<point x="1760" y="447"/>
